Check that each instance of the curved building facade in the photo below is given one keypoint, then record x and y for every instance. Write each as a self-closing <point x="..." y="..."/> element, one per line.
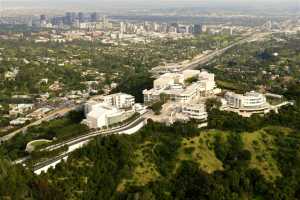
<point x="250" y="101"/>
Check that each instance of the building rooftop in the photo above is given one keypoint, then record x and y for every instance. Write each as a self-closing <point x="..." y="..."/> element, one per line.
<point x="101" y="109"/>
<point x="253" y="94"/>
<point x="119" y="94"/>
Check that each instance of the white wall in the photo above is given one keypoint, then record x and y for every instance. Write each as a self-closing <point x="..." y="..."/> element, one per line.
<point x="134" y="129"/>
<point x="45" y="169"/>
<point x="53" y="165"/>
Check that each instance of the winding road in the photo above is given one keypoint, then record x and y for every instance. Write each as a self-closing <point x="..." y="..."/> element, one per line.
<point x="78" y="142"/>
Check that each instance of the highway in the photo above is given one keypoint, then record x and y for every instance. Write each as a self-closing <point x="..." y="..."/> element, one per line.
<point x="204" y="59"/>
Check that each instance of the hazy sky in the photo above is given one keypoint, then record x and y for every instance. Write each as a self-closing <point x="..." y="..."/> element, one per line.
<point x="134" y="4"/>
<point x="159" y="1"/>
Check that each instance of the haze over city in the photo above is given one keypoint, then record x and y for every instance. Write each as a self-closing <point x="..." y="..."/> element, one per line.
<point x="230" y="5"/>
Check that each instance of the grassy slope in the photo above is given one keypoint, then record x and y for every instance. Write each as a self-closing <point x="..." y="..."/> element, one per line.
<point x="200" y="149"/>
<point x="202" y="152"/>
<point x="261" y="144"/>
<point x="36" y="144"/>
<point x="145" y="170"/>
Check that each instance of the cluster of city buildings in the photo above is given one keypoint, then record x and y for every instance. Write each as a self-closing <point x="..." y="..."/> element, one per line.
<point x="110" y="110"/>
<point x="76" y="20"/>
<point x="127" y="31"/>
<point x="133" y="28"/>
<point x="92" y="26"/>
<point x="94" y="21"/>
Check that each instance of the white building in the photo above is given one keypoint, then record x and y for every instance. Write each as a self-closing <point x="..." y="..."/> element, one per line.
<point x="207" y="80"/>
<point x="179" y="88"/>
<point x="195" y="111"/>
<point x="187" y="74"/>
<point x="115" y="108"/>
<point x="16" y="109"/>
<point x="98" y="116"/>
<point x="103" y="115"/>
<point x="164" y="81"/>
<point x="169" y="79"/>
<point x="250" y="101"/>
<point x="19" y="121"/>
<point x="120" y="100"/>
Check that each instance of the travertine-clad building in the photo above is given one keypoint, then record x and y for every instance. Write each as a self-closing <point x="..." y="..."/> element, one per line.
<point x="182" y="87"/>
<point x="195" y="111"/>
<point x="120" y="100"/>
<point x="250" y="101"/>
<point x="114" y="109"/>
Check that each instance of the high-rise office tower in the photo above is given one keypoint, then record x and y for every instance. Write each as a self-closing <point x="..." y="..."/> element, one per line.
<point x="95" y="17"/>
<point x="43" y="18"/>
<point x="70" y="18"/>
<point x="43" y="21"/>
<point x="197" y="29"/>
<point x="81" y="17"/>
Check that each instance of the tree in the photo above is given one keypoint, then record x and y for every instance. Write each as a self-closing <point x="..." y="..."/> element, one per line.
<point x="212" y="103"/>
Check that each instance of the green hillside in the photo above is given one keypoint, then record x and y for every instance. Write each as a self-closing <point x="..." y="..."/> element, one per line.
<point x="257" y="158"/>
